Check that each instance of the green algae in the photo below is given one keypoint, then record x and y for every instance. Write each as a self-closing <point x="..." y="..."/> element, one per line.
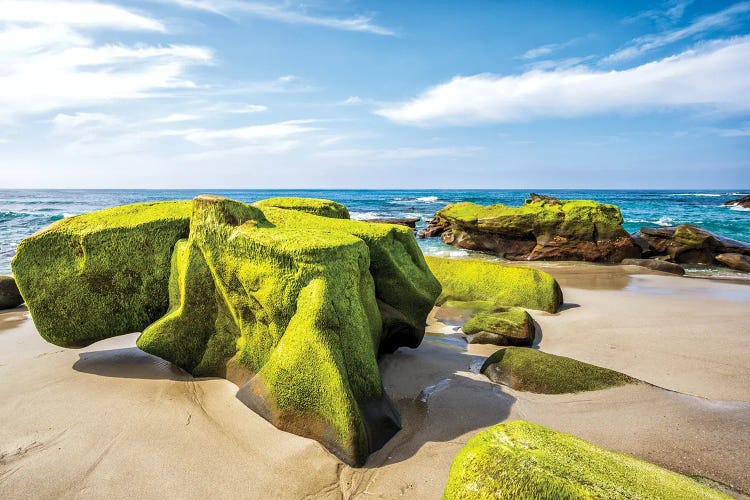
<point x="293" y="307"/>
<point x="523" y="460"/>
<point x="315" y="206"/>
<point x="531" y="370"/>
<point x="501" y="326"/>
<point x="576" y="219"/>
<point x="97" y="275"/>
<point x="479" y="280"/>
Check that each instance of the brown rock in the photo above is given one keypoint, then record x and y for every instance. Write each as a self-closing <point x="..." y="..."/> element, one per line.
<point x="735" y="261"/>
<point x="656" y="265"/>
<point x="743" y="202"/>
<point x="10" y="297"/>
<point x="686" y="244"/>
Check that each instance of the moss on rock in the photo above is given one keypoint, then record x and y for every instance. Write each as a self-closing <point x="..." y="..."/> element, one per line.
<point x="479" y="280"/>
<point x="522" y="460"/>
<point x="530" y="370"/>
<point x="544" y="228"/>
<point x="97" y="275"/>
<point x="315" y="206"/>
<point x="501" y="326"/>
<point x="293" y="307"/>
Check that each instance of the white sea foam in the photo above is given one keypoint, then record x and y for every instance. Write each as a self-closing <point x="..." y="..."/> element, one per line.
<point x="740" y="194"/>
<point x="447" y="253"/>
<point x="696" y="194"/>
<point x="665" y="221"/>
<point x="739" y="208"/>
<point x="66" y="215"/>
<point x="428" y="199"/>
<point x="365" y="215"/>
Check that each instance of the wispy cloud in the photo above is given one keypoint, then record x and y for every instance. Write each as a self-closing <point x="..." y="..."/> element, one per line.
<point x="251" y="134"/>
<point x="402" y="153"/>
<point x="177" y="118"/>
<point x="715" y="75"/>
<point x="64" y="123"/>
<point x="284" y="12"/>
<point x="671" y="11"/>
<point x="80" y="14"/>
<point x="719" y="20"/>
<point x="49" y="62"/>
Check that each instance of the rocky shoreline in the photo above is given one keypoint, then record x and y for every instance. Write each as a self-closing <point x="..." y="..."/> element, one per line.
<point x="546" y="228"/>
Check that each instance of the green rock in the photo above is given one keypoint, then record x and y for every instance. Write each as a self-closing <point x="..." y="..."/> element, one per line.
<point x="315" y="206"/>
<point x="501" y="326"/>
<point x="522" y="460"/>
<point x="530" y="370"/>
<point x="480" y="280"/>
<point x="10" y="297"/>
<point x="101" y="274"/>
<point x="291" y="306"/>
<point x="544" y="228"/>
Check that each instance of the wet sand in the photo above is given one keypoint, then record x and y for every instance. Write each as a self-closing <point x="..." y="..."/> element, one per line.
<point x="112" y="420"/>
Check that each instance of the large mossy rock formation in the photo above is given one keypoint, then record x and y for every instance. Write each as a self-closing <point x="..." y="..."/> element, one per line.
<point x="291" y="306"/>
<point x="525" y="461"/>
<point x="97" y="275"/>
<point x="530" y="370"/>
<point x="687" y="244"/>
<point x="10" y="297"/>
<point x="544" y="228"/>
<point x="480" y="280"/>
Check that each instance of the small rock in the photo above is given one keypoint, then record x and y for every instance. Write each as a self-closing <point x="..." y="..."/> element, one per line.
<point x="743" y="202"/>
<point x="735" y="261"/>
<point x="656" y="265"/>
<point x="10" y="297"/>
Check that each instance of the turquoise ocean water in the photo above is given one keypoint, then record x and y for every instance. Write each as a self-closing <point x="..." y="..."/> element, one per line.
<point x="23" y="212"/>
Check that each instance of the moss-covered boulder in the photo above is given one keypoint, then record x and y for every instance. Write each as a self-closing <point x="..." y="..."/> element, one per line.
<point x="315" y="206"/>
<point x="93" y="276"/>
<point x="481" y="280"/>
<point x="544" y="228"/>
<point x="291" y="306"/>
<point x="526" y="461"/>
<point x="500" y="326"/>
<point x="10" y="297"/>
<point x="530" y="370"/>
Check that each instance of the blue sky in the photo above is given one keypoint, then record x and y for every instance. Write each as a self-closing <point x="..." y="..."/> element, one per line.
<point x="391" y="94"/>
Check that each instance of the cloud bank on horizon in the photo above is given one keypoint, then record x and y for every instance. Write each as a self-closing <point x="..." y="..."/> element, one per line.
<point x="241" y="93"/>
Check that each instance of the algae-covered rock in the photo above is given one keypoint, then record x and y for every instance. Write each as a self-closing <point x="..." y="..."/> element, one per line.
<point x="480" y="280"/>
<point x="735" y="261"/>
<point x="501" y="326"/>
<point x="530" y="370"/>
<point x="93" y="276"/>
<point x="525" y="461"/>
<point x="291" y="306"/>
<point x="315" y="206"/>
<point x="294" y="308"/>
<point x="544" y="228"/>
<point x="10" y="297"/>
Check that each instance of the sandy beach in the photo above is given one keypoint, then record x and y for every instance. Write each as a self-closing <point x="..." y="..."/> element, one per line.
<point x="110" y="420"/>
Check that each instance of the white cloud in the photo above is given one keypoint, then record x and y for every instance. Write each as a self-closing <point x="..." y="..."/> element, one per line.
<point x="253" y="133"/>
<point x="405" y="153"/>
<point x="672" y="11"/>
<point x="544" y="50"/>
<point x="248" y="108"/>
<point x="716" y="75"/>
<point x="284" y="13"/>
<point x="51" y="67"/>
<point x="80" y="14"/>
<point x="176" y="118"/>
<point x="718" y="20"/>
<point x="352" y="100"/>
<point x="67" y="122"/>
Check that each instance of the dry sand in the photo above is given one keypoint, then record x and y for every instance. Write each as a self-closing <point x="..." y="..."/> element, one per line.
<point x="110" y="420"/>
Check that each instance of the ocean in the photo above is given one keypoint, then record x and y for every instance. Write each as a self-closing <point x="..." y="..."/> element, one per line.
<point x="23" y="212"/>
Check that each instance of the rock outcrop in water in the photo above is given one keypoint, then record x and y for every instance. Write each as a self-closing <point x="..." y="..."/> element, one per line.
<point x="292" y="306"/>
<point x="10" y="297"/>
<point x="743" y="202"/>
<point x="544" y="228"/>
<point x="688" y="244"/>
<point x="524" y="460"/>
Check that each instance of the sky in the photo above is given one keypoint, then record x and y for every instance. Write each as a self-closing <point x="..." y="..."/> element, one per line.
<point x="409" y="94"/>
